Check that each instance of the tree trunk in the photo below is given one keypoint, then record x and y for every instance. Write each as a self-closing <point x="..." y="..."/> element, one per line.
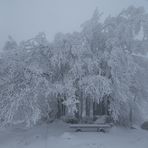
<point x="91" y="108"/>
<point x="131" y="116"/>
<point x="84" y="108"/>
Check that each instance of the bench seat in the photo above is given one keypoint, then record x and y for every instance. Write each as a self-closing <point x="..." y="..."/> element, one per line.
<point x="99" y="127"/>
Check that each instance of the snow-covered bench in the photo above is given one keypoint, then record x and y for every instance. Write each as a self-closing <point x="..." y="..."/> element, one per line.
<point x="98" y="127"/>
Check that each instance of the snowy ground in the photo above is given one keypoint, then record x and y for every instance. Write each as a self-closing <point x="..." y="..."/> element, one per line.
<point x="58" y="135"/>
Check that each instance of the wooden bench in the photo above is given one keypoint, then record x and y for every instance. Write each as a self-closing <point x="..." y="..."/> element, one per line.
<point x="98" y="127"/>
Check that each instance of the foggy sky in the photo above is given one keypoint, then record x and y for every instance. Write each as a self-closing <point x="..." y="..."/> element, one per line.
<point x="23" y="19"/>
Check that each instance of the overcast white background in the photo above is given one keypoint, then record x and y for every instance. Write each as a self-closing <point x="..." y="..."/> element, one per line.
<point x="22" y="19"/>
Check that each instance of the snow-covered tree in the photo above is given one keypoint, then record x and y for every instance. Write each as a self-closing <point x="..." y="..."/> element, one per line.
<point x="98" y="65"/>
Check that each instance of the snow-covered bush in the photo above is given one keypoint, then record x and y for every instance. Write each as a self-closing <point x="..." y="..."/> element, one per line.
<point x="145" y="125"/>
<point x="70" y="119"/>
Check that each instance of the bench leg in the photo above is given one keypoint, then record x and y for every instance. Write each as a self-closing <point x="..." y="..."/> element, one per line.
<point x="101" y="130"/>
<point x="78" y="130"/>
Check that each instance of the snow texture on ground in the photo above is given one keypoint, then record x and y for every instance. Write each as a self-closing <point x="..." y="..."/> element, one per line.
<point x="58" y="135"/>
